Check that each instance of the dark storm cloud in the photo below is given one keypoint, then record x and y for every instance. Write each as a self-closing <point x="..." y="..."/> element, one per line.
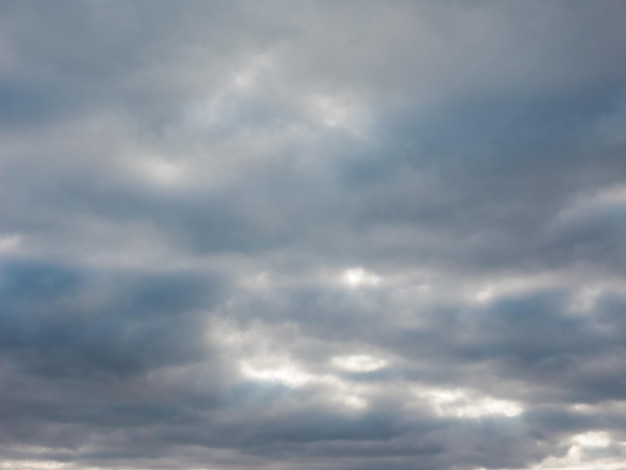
<point x="332" y="235"/>
<point x="60" y="321"/>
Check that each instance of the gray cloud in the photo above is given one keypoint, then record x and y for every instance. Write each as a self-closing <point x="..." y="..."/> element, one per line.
<point x="332" y="235"/>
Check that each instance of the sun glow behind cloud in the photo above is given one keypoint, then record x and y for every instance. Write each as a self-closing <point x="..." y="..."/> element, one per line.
<point x="359" y="277"/>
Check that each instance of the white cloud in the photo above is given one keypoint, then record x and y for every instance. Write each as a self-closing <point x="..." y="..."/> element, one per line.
<point x="359" y="363"/>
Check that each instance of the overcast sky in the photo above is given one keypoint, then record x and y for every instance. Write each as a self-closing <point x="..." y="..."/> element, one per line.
<point x="330" y="235"/>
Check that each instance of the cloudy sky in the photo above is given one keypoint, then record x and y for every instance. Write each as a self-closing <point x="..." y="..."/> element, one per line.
<point x="329" y="235"/>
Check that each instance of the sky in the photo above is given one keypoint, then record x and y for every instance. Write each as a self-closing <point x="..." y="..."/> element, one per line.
<point x="322" y="235"/>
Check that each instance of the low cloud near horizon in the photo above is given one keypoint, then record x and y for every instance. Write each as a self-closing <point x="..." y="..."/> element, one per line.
<point x="322" y="235"/>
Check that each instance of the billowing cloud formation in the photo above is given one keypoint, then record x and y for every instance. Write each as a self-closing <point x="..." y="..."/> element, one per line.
<point x="322" y="235"/>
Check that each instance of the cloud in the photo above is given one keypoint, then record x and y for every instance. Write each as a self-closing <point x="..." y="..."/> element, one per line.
<point x="338" y="235"/>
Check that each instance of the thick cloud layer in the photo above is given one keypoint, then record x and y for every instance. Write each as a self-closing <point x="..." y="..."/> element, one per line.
<point x="322" y="235"/>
